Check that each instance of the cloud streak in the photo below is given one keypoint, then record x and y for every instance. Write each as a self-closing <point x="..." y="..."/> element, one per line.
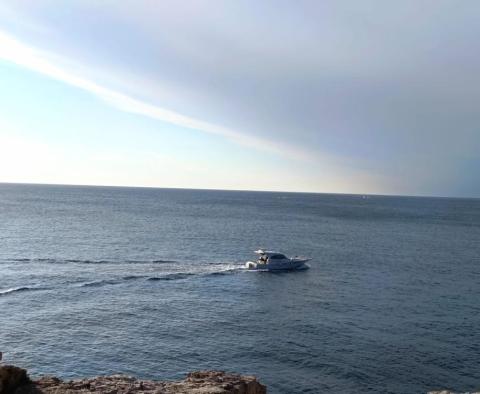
<point x="14" y="51"/>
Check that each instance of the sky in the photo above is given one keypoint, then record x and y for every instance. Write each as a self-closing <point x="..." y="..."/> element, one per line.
<point x="369" y="97"/>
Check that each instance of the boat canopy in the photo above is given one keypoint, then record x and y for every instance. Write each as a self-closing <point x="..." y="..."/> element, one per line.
<point x="271" y="254"/>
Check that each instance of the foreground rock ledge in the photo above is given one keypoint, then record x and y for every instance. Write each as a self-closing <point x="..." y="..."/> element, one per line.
<point x="451" y="392"/>
<point x="14" y="380"/>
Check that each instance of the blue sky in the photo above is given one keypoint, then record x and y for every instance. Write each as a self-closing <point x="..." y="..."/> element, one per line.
<point x="330" y="96"/>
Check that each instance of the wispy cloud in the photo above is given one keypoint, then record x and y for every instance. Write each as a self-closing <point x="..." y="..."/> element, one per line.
<point x="15" y="51"/>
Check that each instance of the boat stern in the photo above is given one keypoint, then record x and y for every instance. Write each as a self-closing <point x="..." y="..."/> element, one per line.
<point x="250" y="265"/>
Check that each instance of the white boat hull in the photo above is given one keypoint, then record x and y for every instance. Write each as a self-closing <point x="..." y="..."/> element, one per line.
<point x="289" y="265"/>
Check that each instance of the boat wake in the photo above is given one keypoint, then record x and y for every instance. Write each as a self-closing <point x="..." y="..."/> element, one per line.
<point x="87" y="261"/>
<point x="98" y="283"/>
<point x="116" y="273"/>
<point x="20" y="289"/>
<point x="175" y="276"/>
<point x="164" y="277"/>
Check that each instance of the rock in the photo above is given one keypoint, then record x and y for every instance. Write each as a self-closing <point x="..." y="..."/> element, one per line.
<point x="217" y="382"/>
<point x="451" y="392"/>
<point x="12" y="378"/>
<point x="201" y="382"/>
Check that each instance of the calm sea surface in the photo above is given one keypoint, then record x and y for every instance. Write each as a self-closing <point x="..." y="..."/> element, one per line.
<point x="149" y="282"/>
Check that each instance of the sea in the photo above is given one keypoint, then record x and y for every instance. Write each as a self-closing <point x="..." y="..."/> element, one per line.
<point x="150" y="282"/>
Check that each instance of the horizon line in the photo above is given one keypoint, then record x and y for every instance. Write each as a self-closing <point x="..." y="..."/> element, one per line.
<point x="240" y="190"/>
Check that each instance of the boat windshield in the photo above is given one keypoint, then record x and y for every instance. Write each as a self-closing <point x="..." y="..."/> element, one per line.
<point x="277" y="256"/>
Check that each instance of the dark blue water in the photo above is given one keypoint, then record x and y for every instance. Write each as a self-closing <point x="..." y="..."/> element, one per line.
<point x="149" y="282"/>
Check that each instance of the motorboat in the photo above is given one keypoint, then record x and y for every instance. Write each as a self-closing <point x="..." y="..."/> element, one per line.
<point x="273" y="261"/>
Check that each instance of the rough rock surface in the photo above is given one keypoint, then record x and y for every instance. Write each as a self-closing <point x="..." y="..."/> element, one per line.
<point x="451" y="392"/>
<point x="12" y="377"/>
<point x="201" y="382"/>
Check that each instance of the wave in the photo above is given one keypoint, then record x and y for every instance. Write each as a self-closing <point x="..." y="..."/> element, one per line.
<point x="98" y="283"/>
<point x="105" y="282"/>
<point x="79" y="261"/>
<point x="20" y="289"/>
<point x="164" y="261"/>
<point x="165" y="277"/>
<point x="176" y="276"/>
<point x="133" y="277"/>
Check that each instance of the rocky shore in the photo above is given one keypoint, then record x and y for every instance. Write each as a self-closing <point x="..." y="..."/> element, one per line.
<point x="451" y="392"/>
<point x="14" y="380"/>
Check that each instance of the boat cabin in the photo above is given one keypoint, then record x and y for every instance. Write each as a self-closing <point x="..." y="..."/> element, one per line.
<point x="267" y="255"/>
